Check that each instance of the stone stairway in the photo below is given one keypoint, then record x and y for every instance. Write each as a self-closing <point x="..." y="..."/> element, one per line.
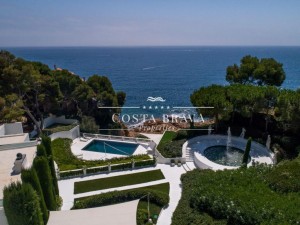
<point x="189" y="155"/>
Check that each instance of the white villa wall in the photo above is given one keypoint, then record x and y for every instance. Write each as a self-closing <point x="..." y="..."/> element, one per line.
<point x="71" y="134"/>
<point x="11" y="129"/>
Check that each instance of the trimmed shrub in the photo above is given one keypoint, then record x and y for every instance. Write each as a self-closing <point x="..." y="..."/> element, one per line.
<point x="21" y="204"/>
<point x="122" y="166"/>
<point x="145" y="163"/>
<point x="181" y="134"/>
<point x="70" y="173"/>
<point x="247" y="152"/>
<point x="173" y="149"/>
<point x="30" y="176"/>
<point x="41" y="151"/>
<point x="235" y="197"/>
<point x="97" y="170"/>
<point x="156" y="197"/>
<point x="46" y="141"/>
<point x="41" y="166"/>
<point x="285" y="177"/>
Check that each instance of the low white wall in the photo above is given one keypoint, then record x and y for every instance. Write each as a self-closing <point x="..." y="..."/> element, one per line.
<point x="71" y="134"/>
<point x="12" y="128"/>
<point x="18" y="145"/>
<point x="2" y="130"/>
<point x="61" y="119"/>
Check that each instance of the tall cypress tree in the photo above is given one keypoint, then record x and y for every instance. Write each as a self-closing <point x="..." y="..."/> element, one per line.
<point x="46" y="142"/>
<point x="21" y="205"/>
<point x="41" y="166"/>
<point x="247" y="152"/>
<point x="41" y="151"/>
<point x="30" y="176"/>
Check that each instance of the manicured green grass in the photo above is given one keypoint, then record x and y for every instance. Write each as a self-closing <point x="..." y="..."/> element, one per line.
<point x="61" y="149"/>
<point x="57" y="127"/>
<point x="170" y="145"/>
<point x="117" y="181"/>
<point x="168" y="137"/>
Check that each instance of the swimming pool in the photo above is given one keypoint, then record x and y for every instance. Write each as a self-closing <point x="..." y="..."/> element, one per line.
<point x="111" y="147"/>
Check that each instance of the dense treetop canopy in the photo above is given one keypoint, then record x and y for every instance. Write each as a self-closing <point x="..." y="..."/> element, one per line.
<point x="265" y="71"/>
<point x="31" y="90"/>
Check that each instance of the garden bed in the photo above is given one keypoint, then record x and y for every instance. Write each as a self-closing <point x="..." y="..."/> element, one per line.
<point x="117" y="181"/>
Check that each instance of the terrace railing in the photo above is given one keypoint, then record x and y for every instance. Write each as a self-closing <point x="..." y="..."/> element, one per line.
<point x="116" y="138"/>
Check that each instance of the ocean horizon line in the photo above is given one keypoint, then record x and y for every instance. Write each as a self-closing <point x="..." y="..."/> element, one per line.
<point x="155" y="46"/>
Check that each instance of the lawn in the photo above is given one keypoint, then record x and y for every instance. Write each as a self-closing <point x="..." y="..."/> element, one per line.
<point x="171" y="143"/>
<point x="117" y="181"/>
<point x="65" y="159"/>
<point x="168" y="137"/>
<point x="57" y="127"/>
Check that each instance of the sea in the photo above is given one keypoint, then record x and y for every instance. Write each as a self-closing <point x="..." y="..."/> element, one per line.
<point x="165" y="75"/>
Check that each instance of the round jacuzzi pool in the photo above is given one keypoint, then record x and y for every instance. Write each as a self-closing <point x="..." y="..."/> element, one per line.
<point x="220" y="154"/>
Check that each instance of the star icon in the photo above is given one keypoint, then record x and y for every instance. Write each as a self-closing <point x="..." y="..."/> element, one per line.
<point x="162" y="107"/>
<point x="156" y="107"/>
<point x="168" y="107"/>
<point x="144" y="107"/>
<point x="150" y="107"/>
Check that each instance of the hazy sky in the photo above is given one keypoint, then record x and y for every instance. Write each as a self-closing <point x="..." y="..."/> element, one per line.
<point x="149" y="22"/>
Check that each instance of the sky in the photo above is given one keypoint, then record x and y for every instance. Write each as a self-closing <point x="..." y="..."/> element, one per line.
<point x="149" y="23"/>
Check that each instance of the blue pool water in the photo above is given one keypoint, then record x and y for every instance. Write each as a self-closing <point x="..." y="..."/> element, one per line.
<point x="111" y="147"/>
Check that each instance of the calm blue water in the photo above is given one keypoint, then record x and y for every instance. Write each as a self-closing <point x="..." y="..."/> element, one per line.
<point x="111" y="147"/>
<point x="220" y="155"/>
<point x="172" y="73"/>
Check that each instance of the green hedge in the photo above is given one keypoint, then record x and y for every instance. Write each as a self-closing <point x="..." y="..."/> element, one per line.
<point x="285" y="177"/>
<point x="145" y="163"/>
<point x="156" y="197"/>
<point x="103" y="169"/>
<point x="239" y="196"/>
<point x="70" y="173"/>
<point x="65" y="159"/>
<point x="30" y="176"/>
<point x="122" y="166"/>
<point x="21" y="204"/>
<point x="97" y="170"/>
<point x="41" y="166"/>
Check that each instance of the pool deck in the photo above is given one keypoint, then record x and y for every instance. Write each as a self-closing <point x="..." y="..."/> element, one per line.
<point x="78" y="144"/>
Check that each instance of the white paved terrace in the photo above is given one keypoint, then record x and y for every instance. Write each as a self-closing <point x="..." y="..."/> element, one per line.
<point x="172" y="175"/>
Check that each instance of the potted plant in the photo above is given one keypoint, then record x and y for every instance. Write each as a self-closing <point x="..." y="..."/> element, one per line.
<point x="178" y="163"/>
<point x="172" y="162"/>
